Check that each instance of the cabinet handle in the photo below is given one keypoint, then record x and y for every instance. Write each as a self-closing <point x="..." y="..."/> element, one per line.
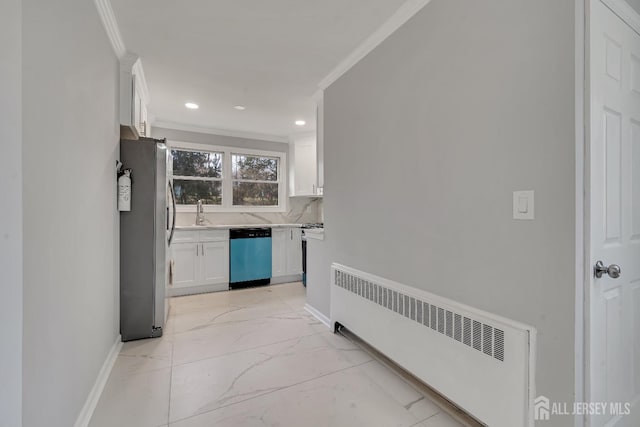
<point x="203" y="249"/>
<point x="197" y="250"/>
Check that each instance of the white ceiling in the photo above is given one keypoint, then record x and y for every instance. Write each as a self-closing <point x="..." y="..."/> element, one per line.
<point x="266" y="55"/>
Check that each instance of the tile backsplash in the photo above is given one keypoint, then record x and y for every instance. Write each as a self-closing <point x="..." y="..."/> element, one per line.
<point x="299" y="211"/>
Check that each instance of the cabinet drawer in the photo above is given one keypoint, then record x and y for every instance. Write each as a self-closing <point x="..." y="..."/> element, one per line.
<point x="213" y="235"/>
<point x="185" y="236"/>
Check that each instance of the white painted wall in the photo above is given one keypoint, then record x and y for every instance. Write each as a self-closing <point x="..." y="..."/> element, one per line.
<point x="70" y="137"/>
<point x="425" y="141"/>
<point x="11" y="214"/>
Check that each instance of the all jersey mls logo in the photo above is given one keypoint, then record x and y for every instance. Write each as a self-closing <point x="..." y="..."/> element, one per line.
<point x="543" y="408"/>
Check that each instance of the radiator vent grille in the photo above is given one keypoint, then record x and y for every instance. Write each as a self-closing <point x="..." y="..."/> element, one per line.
<point x="472" y="333"/>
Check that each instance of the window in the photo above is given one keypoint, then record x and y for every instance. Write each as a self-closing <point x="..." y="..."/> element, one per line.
<point x="228" y="179"/>
<point x="197" y="175"/>
<point x="255" y="180"/>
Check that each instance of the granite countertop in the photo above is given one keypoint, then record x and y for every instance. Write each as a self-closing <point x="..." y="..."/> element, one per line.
<point x="228" y="226"/>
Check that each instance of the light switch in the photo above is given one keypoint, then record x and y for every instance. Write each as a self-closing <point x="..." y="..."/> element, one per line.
<point x="523" y="205"/>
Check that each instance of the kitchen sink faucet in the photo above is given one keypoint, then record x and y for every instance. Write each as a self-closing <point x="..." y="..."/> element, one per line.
<point x="200" y="213"/>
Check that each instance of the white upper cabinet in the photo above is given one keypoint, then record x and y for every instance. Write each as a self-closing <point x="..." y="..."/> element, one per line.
<point x="303" y="177"/>
<point x="134" y="98"/>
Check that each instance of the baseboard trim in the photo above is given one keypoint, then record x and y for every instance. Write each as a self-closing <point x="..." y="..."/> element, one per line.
<point x="94" y="395"/>
<point x="318" y="315"/>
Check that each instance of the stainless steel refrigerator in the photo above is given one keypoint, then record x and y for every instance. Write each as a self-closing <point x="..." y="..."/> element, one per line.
<point x="145" y="235"/>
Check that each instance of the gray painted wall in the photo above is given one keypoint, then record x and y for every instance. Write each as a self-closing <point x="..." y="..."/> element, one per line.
<point x="425" y="141"/>
<point x="71" y="134"/>
<point x="11" y="214"/>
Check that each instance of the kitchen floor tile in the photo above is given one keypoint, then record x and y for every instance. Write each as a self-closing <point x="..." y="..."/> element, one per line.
<point x="221" y="314"/>
<point x="143" y="355"/>
<point x="347" y="398"/>
<point x="255" y="357"/>
<point x="205" y="385"/>
<point x="136" y="400"/>
<point x="440" y="420"/>
<point x="402" y="392"/>
<point x="238" y="336"/>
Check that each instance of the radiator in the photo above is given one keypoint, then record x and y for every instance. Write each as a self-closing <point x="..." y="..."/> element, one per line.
<point x="481" y="362"/>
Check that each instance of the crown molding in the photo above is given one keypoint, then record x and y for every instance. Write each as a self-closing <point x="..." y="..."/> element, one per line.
<point x="221" y="132"/>
<point x="111" y="26"/>
<point x="399" y="18"/>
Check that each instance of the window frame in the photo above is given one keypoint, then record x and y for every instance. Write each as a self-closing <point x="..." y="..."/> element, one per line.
<point x="227" y="177"/>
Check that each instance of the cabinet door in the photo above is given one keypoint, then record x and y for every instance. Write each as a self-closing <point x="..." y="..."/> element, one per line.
<point x="278" y="252"/>
<point x="186" y="260"/>
<point x="144" y="123"/>
<point x="305" y="168"/>
<point x="214" y="262"/>
<point x="136" y="109"/>
<point x="294" y="251"/>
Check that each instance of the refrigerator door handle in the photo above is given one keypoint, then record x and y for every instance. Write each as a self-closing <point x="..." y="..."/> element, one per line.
<point x="173" y="202"/>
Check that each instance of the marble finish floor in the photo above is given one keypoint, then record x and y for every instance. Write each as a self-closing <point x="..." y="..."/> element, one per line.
<point x="250" y="358"/>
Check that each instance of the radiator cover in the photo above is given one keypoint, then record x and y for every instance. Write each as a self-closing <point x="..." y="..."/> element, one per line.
<point x="483" y="363"/>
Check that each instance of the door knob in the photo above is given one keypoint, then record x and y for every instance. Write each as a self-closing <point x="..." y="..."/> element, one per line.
<point x="613" y="270"/>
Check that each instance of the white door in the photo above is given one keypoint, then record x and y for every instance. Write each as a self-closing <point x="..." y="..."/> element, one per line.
<point x="186" y="258"/>
<point x="614" y="158"/>
<point x="278" y="252"/>
<point x="214" y="262"/>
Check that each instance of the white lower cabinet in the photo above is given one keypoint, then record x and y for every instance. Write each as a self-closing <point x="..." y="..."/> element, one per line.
<point x="286" y="251"/>
<point x="278" y="252"/>
<point x="200" y="261"/>
<point x="294" y="251"/>
<point x="214" y="262"/>
<point x="185" y="264"/>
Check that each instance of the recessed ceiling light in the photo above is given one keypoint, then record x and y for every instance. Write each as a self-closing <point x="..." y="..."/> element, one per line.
<point x="191" y="106"/>
<point x="300" y="122"/>
<point x="240" y="107"/>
